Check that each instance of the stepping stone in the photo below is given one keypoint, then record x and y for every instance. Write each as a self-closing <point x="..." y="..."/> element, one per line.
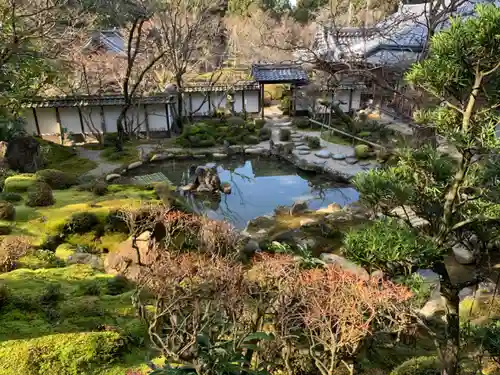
<point x="298" y="144"/>
<point x="323" y="154"/>
<point x="351" y="160"/>
<point x="304" y="152"/>
<point x="338" y="156"/>
<point x="364" y="163"/>
<point x="303" y="148"/>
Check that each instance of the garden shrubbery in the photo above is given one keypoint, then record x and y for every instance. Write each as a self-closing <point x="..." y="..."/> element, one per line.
<point x="40" y="195"/>
<point x="7" y="211"/>
<point x="301" y="123"/>
<point x="313" y="142"/>
<point x="81" y="222"/>
<point x="265" y="134"/>
<point x="19" y="183"/>
<point x="212" y="132"/>
<point x="419" y="366"/>
<point x="55" y="179"/>
<point x="285" y="135"/>
<point x="11" y="197"/>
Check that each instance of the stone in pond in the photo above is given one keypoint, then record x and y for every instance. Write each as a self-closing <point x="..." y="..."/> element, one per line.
<point x="338" y="156"/>
<point x="304" y="152"/>
<point x="351" y="160"/>
<point x="364" y="163"/>
<point x="298" y="207"/>
<point x="134" y="165"/>
<point x="219" y="156"/>
<point x="112" y="176"/>
<point x="323" y="154"/>
<point x="303" y="148"/>
<point x="159" y="157"/>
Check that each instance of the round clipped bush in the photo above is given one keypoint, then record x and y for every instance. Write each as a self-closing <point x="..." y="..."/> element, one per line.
<point x="40" y="195"/>
<point x="55" y="178"/>
<point x="301" y="123"/>
<point x="313" y="142"/>
<point x="81" y="222"/>
<point x="419" y="366"/>
<point x="362" y="151"/>
<point x="251" y="140"/>
<point x="265" y="134"/>
<point x="11" y="197"/>
<point x="5" y="230"/>
<point x="99" y="188"/>
<point x="19" y="183"/>
<point x="235" y="121"/>
<point x="285" y="135"/>
<point x="259" y="123"/>
<point x="7" y="211"/>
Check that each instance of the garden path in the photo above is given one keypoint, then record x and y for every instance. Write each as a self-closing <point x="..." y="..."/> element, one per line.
<point x="103" y="167"/>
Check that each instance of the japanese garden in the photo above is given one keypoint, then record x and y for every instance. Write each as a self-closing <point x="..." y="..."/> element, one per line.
<point x="192" y="187"/>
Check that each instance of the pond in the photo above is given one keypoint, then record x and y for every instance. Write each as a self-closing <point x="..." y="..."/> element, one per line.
<point x="258" y="187"/>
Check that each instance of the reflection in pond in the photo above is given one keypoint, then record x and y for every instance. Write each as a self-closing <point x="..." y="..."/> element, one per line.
<point x="258" y="186"/>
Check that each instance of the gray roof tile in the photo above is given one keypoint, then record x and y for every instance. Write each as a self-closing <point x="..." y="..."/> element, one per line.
<point x="279" y="73"/>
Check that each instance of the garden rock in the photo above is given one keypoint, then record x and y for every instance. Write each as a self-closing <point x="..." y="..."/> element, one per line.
<point x="219" y="156"/>
<point x="345" y="264"/>
<point x="159" y="157"/>
<point x="435" y="305"/>
<point x="351" y="160"/>
<point x="463" y="255"/>
<point x="112" y="177"/>
<point x="255" y="151"/>
<point x="307" y="221"/>
<point x="338" y="156"/>
<point x="303" y="148"/>
<point x="323" y="154"/>
<point x="24" y="154"/>
<point x="251" y="247"/>
<point x="331" y="208"/>
<point x="364" y="163"/>
<point x="298" y="207"/>
<point x="304" y="152"/>
<point x="85" y="258"/>
<point x="260" y="223"/>
<point x="134" y="165"/>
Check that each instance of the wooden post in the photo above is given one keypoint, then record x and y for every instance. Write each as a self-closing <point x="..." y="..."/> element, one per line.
<point x="103" y="119"/>
<point x="350" y="99"/>
<point x="243" y="107"/>
<point x="146" y="121"/>
<point x="190" y="98"/>
<point x="80" y="116"/>
<point x="209" y="104"/>
<point x="58" y="120"/>
<point x="37" y="124"/>
<point x="169" y="134"/>
<point x="261" y="101"/>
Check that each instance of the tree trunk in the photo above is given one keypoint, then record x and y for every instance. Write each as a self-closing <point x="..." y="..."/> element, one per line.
<point x="120" y="127"/>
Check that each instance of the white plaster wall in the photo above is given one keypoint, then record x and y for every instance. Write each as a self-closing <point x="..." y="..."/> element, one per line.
<point x="218" y="100"/>
<point x="70" y="119"/>
<point x="238" y="102"/>
<point x="47" y="121"/>
<point x="30" y="124"/>
<point x="91" y="117"/>
<point x="157" y="117"/>
<point x="200" y="105"/>
<point x="356" y="100"/>
<point x="252" y="101"/>
<point x="111" y="114"/>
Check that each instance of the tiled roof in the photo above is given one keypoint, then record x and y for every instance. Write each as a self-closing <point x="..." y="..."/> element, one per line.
<point x="292" y="73"/>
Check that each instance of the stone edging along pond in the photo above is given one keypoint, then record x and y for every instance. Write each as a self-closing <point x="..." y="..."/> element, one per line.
<point x="280" y="153"/>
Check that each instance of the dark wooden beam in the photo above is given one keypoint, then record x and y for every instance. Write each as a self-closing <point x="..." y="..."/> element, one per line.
<point x="169" y="133"/>
<point x="350" y="100"/>
<point x="103" y="119"/>
<point x="190" y="98"/>
<point x="243" y="107"/>
<point x="80" y="116"/>
<point x="146" y="121"/>
<point x="37" y="124"/>
<point x="261" y="101"/>
<point x="209" y="104"/>
<point x="59" y="124"/>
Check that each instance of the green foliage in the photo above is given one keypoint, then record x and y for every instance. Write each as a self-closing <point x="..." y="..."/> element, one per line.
<point x="301" y="123"/>
<point x="313" y="142"/>
<point x="64" y="158"/>
<point x="65" y="354"/>
<point x="11" y="197"/>
<point x="235" y="121"/>
<point x="419" y="366"/>
<point x="391" y="247"/>
<point x="285" y="135"/>
<point x="19" y="183"/>
<point x="362" y="151"/>
<point x="118" y="285"/>
<point x="7" y="211"/>
<point x="55" y="178"/>
<point x="251" y="140"/>
<point x="128" y="154"/>
<point x="39" y="195"/>
<point x="285" y="105"/>
<point x="81" y="222"/>
<point x="39" y="259"/>
<point x="259" y="123"/>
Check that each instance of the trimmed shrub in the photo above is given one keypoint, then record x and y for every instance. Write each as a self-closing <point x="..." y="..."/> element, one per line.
<point x="259" y="123"/>
<point x="81" y="222"/>
<point x="236" y="121"/>
<point x="118" y="285"/>
<point x="5" y="230"/>
<point x="19" y="183"/>
<point x="55" y="179"/>
<point x="251" y="140"/>
<point x="265" y="134"/>
<point x="39" y="259"/>
<point x="40" y="195"/>
<point x="100" y="188"/>
<point x="362" y="151"/>
<point x="285" y="135"/>
<point x="267" y="101"/>
<point x="7" y="211"/>
<point x="313" y="142"/>
<point x="301" y="123"/>
<point x="285" y="105"/>
<point x="11" y="197"/>
<point x="419" y="366"/>
<point x="64" y="354"/>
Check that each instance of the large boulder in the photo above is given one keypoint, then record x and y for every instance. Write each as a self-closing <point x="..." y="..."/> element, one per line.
<point x="24" y="154"/>
<point x="298" y="207"/>
<point x="463" y="255"/>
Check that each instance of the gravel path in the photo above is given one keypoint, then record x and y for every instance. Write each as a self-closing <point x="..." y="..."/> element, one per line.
<point x="103" y="167"/>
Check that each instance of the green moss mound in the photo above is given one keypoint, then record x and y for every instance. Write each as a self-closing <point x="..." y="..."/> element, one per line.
<point x="7" y="211"/>
<point x="418" y="366"/>
<point x="55" y="178"/>
<point x="64" y="158"/>
<point x="40" y="195"/>
<point x="19" y="183"/>
<point x="285" y="135"/>
<point x="62" y="354"/>
<point x="362" y="151"/>
<point x="313" y="142"/>
<point x="11" y="197"/>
